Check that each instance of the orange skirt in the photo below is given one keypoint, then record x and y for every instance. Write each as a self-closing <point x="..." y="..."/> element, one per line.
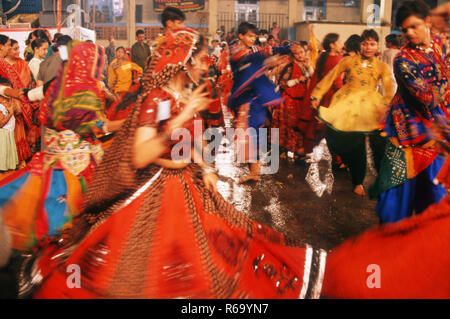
<point x="176" y="239"/>
<point x="408" y="259"/>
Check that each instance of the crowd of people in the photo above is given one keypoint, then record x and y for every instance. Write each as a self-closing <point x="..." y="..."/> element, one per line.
<point x="88" y="175"/>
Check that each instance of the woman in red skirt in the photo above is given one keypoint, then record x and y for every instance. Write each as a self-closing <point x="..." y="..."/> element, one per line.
<point x="155" y="227"/>
<point x="294" y="84"/>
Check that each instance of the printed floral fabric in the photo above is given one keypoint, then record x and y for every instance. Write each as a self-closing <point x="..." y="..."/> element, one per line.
<point x="70" y="151"/>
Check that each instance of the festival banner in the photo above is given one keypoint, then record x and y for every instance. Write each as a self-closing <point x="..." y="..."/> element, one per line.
<point x="183" y="5"/>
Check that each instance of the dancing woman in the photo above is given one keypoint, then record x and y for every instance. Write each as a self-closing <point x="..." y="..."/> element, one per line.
<point x="42" y="198"/>
<point x="154" y="227"/>
<point x="313" y="129"/>
<point x="357" y="108"/>
<point x="412" y="159"/>
<point x="294" y="79"/>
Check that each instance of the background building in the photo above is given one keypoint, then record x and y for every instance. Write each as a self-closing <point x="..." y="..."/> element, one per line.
<point x="119" y="19"/>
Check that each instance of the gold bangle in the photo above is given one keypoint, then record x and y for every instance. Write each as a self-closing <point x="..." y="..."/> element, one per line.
<point x="208" y="169"/>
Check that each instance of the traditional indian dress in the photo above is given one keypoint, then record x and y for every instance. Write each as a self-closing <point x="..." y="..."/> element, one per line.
<point x="160" y="233"/>
<point x="226" y="76"/>
<point x="252" y="88"/>
<point x="412" y="160"/>
<point x="24" y="119"/>
<point x="293" y="94"/>
<point x="23" y="70"/>
<point x="355" y="110"/>
<point x="42" y="198"/>
<point x="380" y="263"/>
<point x="213" y="115"/>
<point x="33" y="132"/>
<point x="410" y="248"/>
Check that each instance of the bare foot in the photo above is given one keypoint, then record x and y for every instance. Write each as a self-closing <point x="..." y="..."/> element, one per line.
<point x="283" y="155"/>
<point x="249" y="177"/>
<point x="359" y="190"/>
<point x="22" y="165"/>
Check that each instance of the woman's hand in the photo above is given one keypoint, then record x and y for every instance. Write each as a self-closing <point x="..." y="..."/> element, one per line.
<point x="439" y="17"/>
<point x="17" y="94"/>
<point x="276" y="60"/>
<point x="210" y="181"/>
<point x="303" y="79"/>
<point x="197" y="102"/>
<point x="112" y="126"/>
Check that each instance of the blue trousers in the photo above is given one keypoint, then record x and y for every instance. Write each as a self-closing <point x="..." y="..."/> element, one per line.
<point x="416" y="195"/>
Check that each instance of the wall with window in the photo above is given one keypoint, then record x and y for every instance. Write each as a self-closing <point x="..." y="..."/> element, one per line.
<point x="321" y="29"/>
<point x="343" y="11"/>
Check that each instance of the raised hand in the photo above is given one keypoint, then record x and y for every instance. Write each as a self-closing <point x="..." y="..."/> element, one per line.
<point x="198" y="100"/>
<point x="14" y="93"/>
<point x="195" y="103"/>
<point x="439" y="17"/>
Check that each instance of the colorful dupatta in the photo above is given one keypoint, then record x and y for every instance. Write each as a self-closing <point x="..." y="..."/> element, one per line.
<point x="75" y="99"/>
<point x="24" y="72"/>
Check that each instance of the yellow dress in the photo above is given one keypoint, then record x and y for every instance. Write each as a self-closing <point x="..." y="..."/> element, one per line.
<point x="357" y="106"/>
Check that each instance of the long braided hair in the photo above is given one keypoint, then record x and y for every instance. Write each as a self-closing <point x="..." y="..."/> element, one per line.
<point x="116" y="178"/>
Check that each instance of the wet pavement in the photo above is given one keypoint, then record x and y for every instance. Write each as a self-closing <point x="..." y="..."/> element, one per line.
<point x="285" y="202"/>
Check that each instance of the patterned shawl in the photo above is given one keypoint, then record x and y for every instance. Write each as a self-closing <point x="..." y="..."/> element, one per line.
<point x="7" y="71"/>
<point x="75" y="100"/>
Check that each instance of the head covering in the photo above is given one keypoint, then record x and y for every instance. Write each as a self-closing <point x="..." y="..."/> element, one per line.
<point x="75" y="100"/>
<point x="84" y="68"/>
<point x="169" y="57"/>
<point x="116" y="177"/>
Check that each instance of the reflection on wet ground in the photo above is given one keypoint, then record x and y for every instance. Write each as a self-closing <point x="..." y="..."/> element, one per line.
<point x="286" y="203"/>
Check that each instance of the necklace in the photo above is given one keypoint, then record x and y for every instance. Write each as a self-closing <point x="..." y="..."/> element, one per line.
<point x="429" y="49"/>
<point x="177" y="95"/>
<point x="366" y="63"/>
